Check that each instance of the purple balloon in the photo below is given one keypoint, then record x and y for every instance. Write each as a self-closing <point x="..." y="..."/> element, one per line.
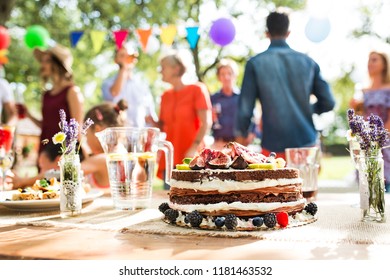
<point x="222" y="31"/>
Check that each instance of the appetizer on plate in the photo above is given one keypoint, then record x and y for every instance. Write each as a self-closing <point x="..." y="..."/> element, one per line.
<point x="42" y="189"/>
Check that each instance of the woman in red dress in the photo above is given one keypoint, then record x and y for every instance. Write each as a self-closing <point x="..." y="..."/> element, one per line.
<point x="56" y="70"/>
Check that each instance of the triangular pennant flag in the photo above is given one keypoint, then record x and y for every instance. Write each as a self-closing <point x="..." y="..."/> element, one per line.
<point x="97" y="38"/>
<point x="120" y="37"/>
<point x="168" y="34"/>
<point x="75" y="36"/>
<point x="192" y="36"/>
<point x="144" y="35"/>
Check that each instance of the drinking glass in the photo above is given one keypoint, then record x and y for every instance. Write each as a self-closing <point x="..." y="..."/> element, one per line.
<point x="6" y="151"/>
<point x="307" y="161"/>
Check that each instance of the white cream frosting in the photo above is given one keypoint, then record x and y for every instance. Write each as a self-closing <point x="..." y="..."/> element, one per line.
<point x="261" y="207"/>
<point x="229" y="185"/>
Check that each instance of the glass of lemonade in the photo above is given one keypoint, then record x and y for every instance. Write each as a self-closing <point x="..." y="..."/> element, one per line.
<point x="307" y="160"/>
<point x="131" y="160"/>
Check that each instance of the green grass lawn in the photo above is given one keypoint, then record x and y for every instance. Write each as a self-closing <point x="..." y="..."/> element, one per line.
<point x="335" y="168"/>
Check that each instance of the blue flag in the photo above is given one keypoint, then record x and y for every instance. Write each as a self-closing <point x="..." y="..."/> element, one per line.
<point x="75" y="37"/>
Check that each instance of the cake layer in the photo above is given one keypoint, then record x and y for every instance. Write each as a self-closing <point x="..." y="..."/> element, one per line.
<point x="230" y="185"/>
<point x="187" y="196"/>
<point x="241" y="209"/>
<point x="234" y="174"/>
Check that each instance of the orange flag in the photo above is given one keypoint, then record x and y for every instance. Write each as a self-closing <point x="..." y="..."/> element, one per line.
<point x="3" y="56"/>
<point x="144" y="35"/>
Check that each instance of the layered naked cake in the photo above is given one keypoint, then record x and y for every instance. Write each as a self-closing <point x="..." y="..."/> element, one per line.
<point x="236" y="189"/>
<point x="241" y="192"/>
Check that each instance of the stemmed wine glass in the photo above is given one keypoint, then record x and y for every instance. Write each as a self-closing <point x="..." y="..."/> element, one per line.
<point x="217" y="110"/>
<point x="6" y="151"/>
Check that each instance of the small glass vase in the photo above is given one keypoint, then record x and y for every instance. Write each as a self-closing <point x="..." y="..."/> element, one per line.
<point x="372" y="187"/>
<point x="71" y="188"/>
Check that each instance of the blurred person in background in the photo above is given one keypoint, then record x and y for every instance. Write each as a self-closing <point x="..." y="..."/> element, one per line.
<point x="283" y="80"/>
<point x="185" y="111"/>
<point x="376" y="98"/>
<point x="224" y="105"/>
<point x="60" y="91"/>
<point x="123" y="85"/>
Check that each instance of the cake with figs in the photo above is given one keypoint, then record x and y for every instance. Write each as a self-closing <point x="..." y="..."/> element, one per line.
<point x="236" y="189"/>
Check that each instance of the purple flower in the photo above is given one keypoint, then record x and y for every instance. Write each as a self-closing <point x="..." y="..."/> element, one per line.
<point x="350" y="114"/>
<point x="63" y="122"/>
<point x="375" y="121"/>
<point x="365" y="141"/>
<point x="371" y="134"/>
<point x="72" y="136"/>
<point x="72" y="132"/>
<point x="356" y="124"/>
<point x="86" y="125"/>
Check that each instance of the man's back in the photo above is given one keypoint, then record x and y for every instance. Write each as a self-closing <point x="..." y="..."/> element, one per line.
<point x="283" y="80"/>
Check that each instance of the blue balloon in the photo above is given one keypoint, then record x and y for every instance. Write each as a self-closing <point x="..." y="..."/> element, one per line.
<point x="222" y="31"/>
<point x="317" y="29"/>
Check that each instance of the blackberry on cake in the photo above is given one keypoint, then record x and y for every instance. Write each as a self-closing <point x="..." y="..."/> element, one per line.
<point x="231" y="221"/>
<point x="195" y="218"/>
<point x="311" y="208"/>
<point x="163" y="207"/>
<point x="171" y="215"/>
<point x="270" y="220"/>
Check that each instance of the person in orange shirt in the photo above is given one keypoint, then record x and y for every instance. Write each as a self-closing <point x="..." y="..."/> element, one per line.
<point x="185" y="111"/>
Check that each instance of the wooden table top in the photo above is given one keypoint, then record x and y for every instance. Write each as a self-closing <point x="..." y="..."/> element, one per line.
<point x="27" y="241"/>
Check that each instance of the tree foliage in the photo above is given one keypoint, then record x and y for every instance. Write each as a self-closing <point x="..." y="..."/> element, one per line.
<point x="60" y="17"/>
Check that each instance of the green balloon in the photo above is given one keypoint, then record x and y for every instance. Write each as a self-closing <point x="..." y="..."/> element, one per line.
<point x="36" y="36"/>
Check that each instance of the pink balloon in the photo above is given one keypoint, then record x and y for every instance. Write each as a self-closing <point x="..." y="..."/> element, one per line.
<point x="222" y="31"/>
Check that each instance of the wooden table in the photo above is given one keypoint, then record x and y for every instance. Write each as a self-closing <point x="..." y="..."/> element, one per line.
<point x="18" y="241"/>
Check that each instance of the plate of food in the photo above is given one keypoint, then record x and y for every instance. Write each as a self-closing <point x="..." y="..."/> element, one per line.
<point x="44" y="195"/>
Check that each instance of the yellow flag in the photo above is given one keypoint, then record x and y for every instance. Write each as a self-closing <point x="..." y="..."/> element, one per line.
<point x="97" y="38"/>
<point x="168" y="34"/>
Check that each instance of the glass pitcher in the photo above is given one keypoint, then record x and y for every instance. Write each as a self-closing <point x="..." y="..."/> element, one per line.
<point x="131" y="158"/>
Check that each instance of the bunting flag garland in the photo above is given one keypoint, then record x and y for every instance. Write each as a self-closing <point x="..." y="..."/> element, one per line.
<point x="144" y="35"/>
<point x="120" y="36"/>
<point x="192" y="36"/>
<point x="146" y="39"/>
<point x="75" y="37"/>
<point x="97" y="38"/>
<point x="168" y="34"/>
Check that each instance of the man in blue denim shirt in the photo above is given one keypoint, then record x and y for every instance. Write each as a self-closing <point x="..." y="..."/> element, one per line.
<point x="283" y="80"/>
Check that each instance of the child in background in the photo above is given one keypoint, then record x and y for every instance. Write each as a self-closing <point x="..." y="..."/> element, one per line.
<point x="48" y="164"/>
<point x="103" y="116"/>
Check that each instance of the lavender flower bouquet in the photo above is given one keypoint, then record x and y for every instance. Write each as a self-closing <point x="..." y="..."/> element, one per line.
<point x="372" y="137"/>
<point x="70" y="176"/>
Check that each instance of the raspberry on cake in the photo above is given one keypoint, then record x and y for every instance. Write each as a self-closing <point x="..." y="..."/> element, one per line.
<point x="235" y="182"/>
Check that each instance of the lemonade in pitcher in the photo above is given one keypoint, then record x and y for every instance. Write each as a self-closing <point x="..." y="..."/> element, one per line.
<point x="131" y="177"/>
<point x="131" y="159"/>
